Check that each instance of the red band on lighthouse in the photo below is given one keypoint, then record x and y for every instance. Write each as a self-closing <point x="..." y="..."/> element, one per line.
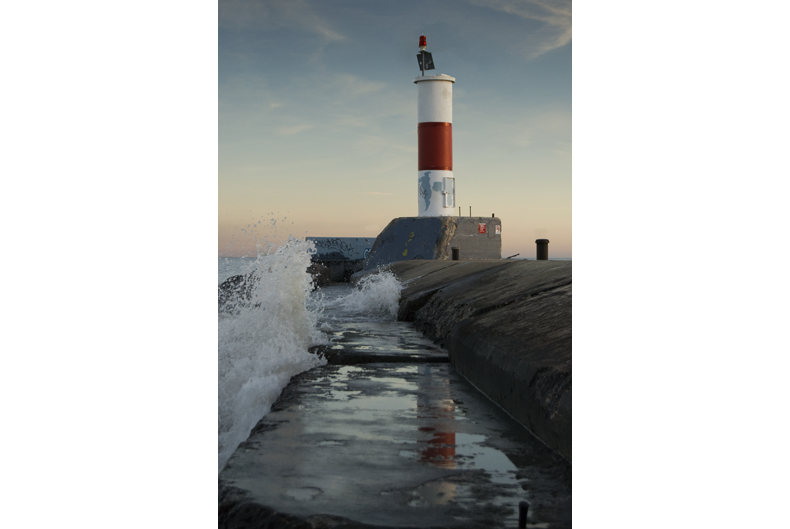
<point x="435" y="146"/>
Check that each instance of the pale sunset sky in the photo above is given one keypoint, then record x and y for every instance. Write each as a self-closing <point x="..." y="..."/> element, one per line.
<point x="318" y="116"/>
<point x="112" y="113"/>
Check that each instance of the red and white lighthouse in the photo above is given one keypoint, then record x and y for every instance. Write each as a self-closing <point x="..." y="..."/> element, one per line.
<point x="435" y="181"/>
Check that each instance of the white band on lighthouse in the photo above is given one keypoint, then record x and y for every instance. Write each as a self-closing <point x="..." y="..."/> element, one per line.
<point x="434" y="98"/>
<point x="435" y="181"/>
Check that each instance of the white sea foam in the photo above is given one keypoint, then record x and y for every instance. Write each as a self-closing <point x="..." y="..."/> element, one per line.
<point x="231" y="266"/>
<point x="374" y="299"/>
<point x="265" y="343"/>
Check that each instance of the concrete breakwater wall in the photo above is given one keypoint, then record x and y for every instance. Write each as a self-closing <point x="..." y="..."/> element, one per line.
<point x="507" y="326"/>
<point x="433" y="238"/>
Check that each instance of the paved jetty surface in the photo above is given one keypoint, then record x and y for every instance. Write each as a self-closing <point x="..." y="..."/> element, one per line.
<point x="388" y="435"/>
<point x="507" y="326"/>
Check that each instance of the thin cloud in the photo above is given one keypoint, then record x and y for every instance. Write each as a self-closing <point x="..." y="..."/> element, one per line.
<point x="295" y="129"/>
<point x="390" y="142"/>
<point x="556" y="16"/>
<point x="372" y="193"/>
<point x="293" y="14"/>
<point x="355" y="85"/>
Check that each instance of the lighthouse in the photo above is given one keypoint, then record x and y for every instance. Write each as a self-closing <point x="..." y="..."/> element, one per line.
<point x="438" y="232"/>
<point x="435" y="181"/>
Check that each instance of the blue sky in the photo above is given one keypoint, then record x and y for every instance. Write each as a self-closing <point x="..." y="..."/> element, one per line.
<point x="680" y="112"/>
<point x="317" y="115"/>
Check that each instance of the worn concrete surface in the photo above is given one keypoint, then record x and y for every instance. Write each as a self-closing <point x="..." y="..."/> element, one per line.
<point x="405" y="442"/>
<point x="432" y="238"/>
<point x="341" y="248"/>
<point x="507" y="326"/>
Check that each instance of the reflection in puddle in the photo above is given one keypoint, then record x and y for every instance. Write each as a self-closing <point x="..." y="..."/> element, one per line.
<point x="493" y="461"/>
<point x="371" y="409"/>
<point x="398" y="338"/>
<point x="439" y="409"/>
<point x="440" y="443"/>
<point x="411" y="370"/>
<point x="344" y="371"/>
<point x="303" y="493"/>
<point x="441" y="450"/>
<point x="420" y="399"/>
<point x="399" y="383"/>
<point x="383" y="403"/>
<point x="343" y="395"/>
<point x="433" y="493"/>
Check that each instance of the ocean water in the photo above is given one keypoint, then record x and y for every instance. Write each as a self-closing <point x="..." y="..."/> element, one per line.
<point x="263" y="345"/>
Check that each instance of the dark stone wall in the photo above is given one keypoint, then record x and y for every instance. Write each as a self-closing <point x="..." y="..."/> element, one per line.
<point x="507" y="327"/>
<point x="341" y="271"/>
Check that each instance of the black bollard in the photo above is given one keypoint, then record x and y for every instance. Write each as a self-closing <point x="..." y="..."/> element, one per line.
<point x="543" y="250"/>
<point x="456" y="253"/>
<point x="523" y="507"/>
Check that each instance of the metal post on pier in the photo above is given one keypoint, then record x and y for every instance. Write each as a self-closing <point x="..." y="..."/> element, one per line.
<point x="523" y="507"/>
<point x="542" y="253"/>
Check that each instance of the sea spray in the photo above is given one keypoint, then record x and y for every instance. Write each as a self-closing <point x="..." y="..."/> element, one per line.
<point x="375" y="298"/>
<point x="231" y="266"/>
<point x="262" y="345"/>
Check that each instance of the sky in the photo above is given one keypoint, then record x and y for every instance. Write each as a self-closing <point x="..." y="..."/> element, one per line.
<point x="110" y="131"/>
<point x="318" y="116"/>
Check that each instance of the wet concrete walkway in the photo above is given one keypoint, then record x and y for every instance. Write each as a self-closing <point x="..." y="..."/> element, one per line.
<point x="389" y="435"/>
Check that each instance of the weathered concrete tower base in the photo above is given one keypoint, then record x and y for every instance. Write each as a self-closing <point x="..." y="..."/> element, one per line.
<point x="432" y="238"/>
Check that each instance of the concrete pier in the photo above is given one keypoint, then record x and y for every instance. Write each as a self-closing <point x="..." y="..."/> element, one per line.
<point x="389" y="435"/>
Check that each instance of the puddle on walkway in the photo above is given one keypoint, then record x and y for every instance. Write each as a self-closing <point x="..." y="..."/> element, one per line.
<point x="412" y="445"/>
<point x="416" y="444"/>
<point x="304" y="493"/>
